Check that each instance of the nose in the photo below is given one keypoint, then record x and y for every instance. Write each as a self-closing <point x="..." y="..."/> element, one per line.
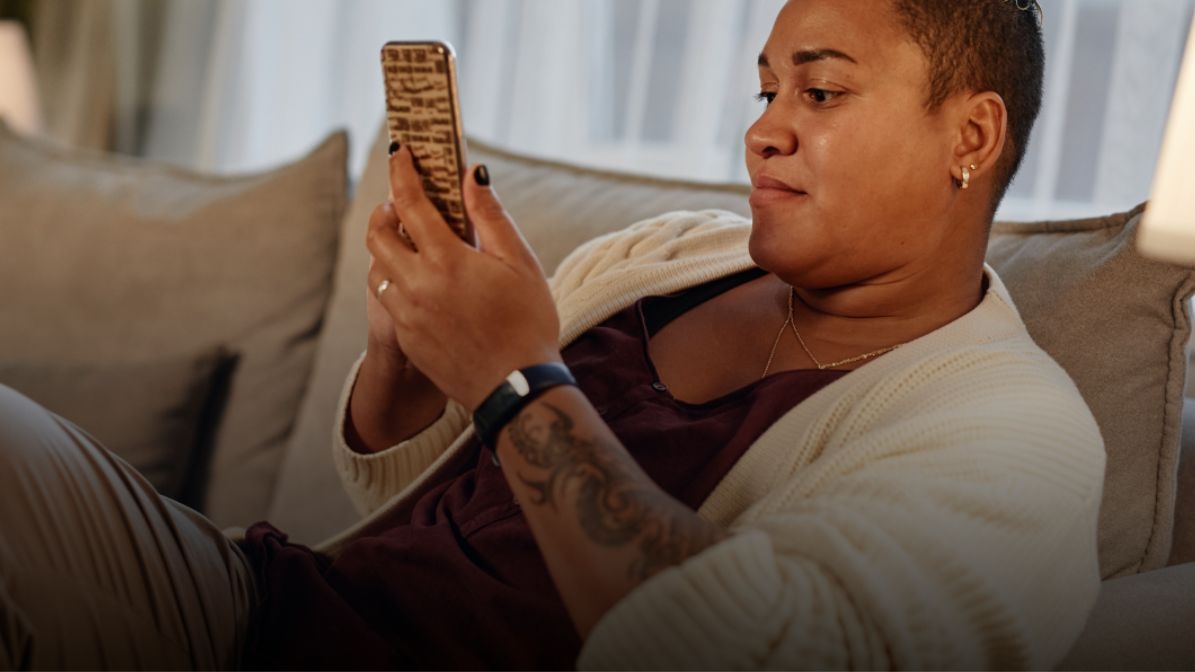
<point x="769" y="135"/>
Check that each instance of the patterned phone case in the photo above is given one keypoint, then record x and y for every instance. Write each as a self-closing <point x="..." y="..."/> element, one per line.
<point x="423" y="114"/>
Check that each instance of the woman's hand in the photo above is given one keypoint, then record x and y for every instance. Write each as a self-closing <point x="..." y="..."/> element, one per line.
<point x="465" y="317"/>
<point x="382" y="340"/>
<point x="391" y="400"/>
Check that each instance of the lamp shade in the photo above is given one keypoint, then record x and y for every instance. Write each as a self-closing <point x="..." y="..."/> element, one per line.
<point x="18" y="85"/>
<point x="1167" y="232"/>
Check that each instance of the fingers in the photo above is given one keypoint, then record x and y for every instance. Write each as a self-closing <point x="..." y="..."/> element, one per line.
<point x="421" y="220"/>
<point x="388" y="287"/>
<point x="375" y="279"/>
<point x="384" y="327"/>
<point x="495" y="229"/>
<point x="385" y="244"/>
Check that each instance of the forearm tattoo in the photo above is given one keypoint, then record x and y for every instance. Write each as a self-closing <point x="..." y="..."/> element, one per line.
<point x="616" y="503"/>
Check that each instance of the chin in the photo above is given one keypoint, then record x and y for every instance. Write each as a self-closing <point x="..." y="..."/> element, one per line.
<point x="776" y="232"/>
<point x="798" y="257"/>
<point x="776" y="249"/>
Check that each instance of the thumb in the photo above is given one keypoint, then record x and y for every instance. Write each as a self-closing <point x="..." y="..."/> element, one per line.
<point x="496" y="231"/>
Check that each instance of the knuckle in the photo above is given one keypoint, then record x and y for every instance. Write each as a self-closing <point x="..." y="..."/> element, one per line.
<point x="405" y="196"/>
<point x="401" y="321"/>
<point x="418" y="298"/>
<point x="372" y="237"/>
<point x="378" y="215"/>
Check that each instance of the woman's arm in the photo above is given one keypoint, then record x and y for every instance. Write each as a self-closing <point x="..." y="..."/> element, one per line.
<point x="372" y="478"/>
<point x="390" y="402"/>
<point x="602" y="525"/>
<point x="468" y="317"/>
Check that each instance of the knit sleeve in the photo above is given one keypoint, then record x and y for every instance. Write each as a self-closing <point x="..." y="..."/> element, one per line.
<point x="653" y="241"/>
<point x="958" y="532"/>
<point x="372" y="479"/>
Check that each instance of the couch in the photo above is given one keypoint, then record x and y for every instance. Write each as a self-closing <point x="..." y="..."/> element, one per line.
<point x="202" y="326"/>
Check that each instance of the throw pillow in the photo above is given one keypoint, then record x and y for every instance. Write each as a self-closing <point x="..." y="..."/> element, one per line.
<point x="1119" y="324"/>
<point x="110" y="260"/>
<point x="149" y="413"/>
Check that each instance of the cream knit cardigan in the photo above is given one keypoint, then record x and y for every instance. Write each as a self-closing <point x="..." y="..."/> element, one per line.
<point x="935" y="508"/>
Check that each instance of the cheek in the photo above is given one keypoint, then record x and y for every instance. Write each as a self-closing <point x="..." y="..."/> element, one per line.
<point x="841" y="158"/>
<point x="882" y="164"/>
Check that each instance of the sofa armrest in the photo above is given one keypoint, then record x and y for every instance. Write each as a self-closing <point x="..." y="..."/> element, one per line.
<point x="1140" y="622"/>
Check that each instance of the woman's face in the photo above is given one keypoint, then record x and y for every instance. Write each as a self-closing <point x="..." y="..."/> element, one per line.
<point x="851" y="173"/>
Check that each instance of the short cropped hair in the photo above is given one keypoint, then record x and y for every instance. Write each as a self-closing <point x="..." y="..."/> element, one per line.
<point x="983" y="45"/>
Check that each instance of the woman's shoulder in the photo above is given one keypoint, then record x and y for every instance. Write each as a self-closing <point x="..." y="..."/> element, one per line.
<point x="980" y="375"/>
<point x="983" y="376"/>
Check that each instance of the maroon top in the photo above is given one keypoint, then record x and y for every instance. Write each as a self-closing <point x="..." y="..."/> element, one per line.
<point x="463" y="585"/>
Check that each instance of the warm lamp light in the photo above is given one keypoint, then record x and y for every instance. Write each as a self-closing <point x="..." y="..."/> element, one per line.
<point x="1167" y="231"/>
<point x="18" y="86"/>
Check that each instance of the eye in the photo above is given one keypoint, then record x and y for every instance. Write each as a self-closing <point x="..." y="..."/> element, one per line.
<point x="821" y="96"/>
<point x="766" y="96"/>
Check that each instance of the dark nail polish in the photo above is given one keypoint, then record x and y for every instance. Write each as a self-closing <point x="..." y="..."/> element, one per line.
<point x="394" y="147"/>
<point x="481" y="175"/>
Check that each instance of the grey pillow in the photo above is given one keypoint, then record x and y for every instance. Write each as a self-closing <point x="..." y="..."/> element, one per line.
<point x="110" y="260"/>
<point x="1118" y="323"/>
<point x="149" y="413"/>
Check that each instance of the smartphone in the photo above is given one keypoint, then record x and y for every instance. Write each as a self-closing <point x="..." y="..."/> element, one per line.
<point x="423" y="113"/>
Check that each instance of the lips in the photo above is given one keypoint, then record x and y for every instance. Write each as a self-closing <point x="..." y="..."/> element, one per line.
<point x="770" y="190"/>
<point x="765" y="182"/>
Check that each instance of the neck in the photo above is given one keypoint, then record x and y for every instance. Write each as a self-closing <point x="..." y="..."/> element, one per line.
<point x="839" y="322"/>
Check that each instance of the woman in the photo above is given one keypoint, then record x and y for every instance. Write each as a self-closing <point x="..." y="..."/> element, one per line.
<point x="819" y="439"/>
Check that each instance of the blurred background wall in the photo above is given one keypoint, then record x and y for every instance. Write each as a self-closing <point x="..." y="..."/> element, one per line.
<point x="662" y="86"/>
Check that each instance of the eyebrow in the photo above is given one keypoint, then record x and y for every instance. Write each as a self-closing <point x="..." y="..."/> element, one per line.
<point x="805" y="56"/>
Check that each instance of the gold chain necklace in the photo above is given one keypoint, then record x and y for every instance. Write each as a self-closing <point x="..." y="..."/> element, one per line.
<point x="789" y="321"/>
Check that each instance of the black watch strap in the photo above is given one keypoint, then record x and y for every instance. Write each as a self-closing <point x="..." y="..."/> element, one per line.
<point x="518" y="390"/>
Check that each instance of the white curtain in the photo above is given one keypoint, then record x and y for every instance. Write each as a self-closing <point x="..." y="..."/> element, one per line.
<point x="1112" y="67"/>
<point x="658" y="86"/>
<point x="245" y="84"/>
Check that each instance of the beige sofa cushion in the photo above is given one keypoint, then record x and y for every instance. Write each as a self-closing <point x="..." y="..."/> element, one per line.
<point x="1119" y="324"/>
<point x="1058" y="270"/>
<point x="109" y="260"/>
<point x="1140" y="622"/>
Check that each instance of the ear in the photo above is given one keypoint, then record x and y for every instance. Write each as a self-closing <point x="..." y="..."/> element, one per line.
<point x="983" y="129"/>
